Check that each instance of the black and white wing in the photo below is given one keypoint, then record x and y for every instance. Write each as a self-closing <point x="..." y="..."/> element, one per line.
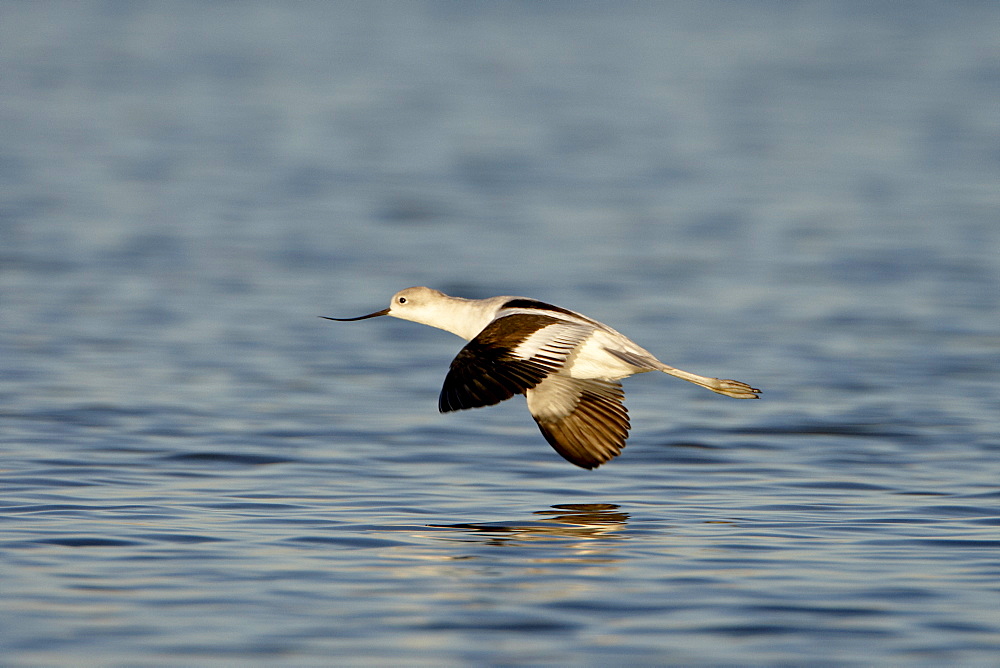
<point x="512" y="354"/>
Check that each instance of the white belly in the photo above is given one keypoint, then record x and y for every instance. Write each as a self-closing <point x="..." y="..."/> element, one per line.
<point x="592" y="359"/>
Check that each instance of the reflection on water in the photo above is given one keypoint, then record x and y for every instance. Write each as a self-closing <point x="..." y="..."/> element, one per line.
<point x="568" y="521"/>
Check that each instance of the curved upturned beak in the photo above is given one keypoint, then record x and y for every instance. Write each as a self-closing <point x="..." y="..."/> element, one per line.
<point x="376" y="314"/>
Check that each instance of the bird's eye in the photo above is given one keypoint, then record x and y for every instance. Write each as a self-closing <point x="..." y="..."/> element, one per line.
<point x="401" y="300"/>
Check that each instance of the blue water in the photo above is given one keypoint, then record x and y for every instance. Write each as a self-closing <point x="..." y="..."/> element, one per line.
<point x="197" y="470"/>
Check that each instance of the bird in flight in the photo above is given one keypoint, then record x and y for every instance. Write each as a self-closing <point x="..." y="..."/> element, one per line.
<point x="566" y="364"/>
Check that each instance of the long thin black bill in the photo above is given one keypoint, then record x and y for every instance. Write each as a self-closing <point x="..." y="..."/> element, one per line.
<point x="376" y="314"/>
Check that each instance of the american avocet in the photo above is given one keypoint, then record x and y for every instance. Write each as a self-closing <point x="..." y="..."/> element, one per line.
<point x="567" y="366"/>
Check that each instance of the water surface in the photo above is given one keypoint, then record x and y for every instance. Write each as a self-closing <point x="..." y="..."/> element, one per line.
<point x="199" y="471"/>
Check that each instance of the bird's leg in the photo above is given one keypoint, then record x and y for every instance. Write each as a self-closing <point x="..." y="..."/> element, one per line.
<point x="730" y="388"/>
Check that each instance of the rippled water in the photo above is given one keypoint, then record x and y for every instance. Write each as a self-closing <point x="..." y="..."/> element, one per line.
<point x="199" y="471"/>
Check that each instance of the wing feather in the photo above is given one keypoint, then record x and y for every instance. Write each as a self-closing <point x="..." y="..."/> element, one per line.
<point x="583" y="420"/>
<point x="512" y="354"/>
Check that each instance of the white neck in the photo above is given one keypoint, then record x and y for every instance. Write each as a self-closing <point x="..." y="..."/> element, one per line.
<point x="462" y="317"/>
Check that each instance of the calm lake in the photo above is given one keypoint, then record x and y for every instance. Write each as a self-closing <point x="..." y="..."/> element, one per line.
<point x="197" y="470"/>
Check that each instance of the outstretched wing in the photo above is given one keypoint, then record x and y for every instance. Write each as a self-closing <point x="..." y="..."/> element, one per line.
<point x="584" y="420"/>
<point x="512" y="354"/>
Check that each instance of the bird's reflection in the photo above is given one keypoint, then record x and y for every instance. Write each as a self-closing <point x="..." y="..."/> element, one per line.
<point x="576" y="521"/>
